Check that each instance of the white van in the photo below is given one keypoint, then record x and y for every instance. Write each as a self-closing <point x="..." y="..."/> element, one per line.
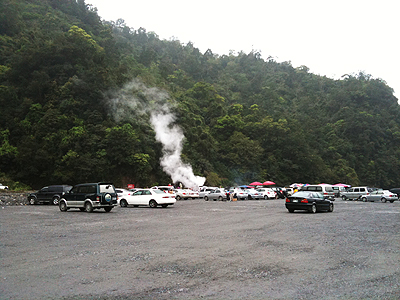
<point x="325" y="189"/>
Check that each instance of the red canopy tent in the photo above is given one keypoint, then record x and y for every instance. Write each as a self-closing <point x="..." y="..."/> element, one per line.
<point x="268" y="183"/>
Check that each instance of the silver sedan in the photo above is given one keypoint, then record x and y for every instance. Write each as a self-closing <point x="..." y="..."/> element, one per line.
<point x="380" y="195"/>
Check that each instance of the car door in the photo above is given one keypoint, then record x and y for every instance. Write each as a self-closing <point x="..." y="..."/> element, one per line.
<point x="136" y="198"/>
<point x="321" y="201"/>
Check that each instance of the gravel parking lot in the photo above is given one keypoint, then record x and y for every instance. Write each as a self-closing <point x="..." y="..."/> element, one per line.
<point x="201" y="250"/>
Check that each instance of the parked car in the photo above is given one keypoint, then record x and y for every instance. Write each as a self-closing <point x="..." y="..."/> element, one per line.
<point x="217" y="194"/>
<point x="185" y="194"/>
<point x="267" y="193"/>
<point x="338" y="190"/>
<point x="148" y="197"/>
<point x="240" y="194"/>
<point x="355" y="193"/>
<point x="380" y="195"/>
<point x="49" y="194"/>
<point x="90" y="196"/>
<point x="165" y="188"/>
<point x="123" y="192"/>
<point x="288" y="190"/>
<point x="205" y="190"/>
<point x="324" y="189"/>
<point x="254" y="194"/>
<point x="309" y="201"/>
<point x="395" y="191"/>
<point x="3" y="187"/>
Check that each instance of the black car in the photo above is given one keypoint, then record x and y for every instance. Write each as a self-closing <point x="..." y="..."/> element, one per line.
<point x="49" y="194"/>
<point x="310" y="201"/>
<point x="395" y="191"/>
<point x="90" y="196"/>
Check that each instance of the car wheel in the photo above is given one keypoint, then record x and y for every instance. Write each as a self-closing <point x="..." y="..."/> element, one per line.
<point x="55" y="200"/>
<point x="88" y="207"/>
<point x="32" y="201"/>
<point x="164" y="205"/>
<point x="383" y="200"/>
<point x="108" y="209"/>
<point x="220" y="198"/>
<point x="313" y="209"/>
<point x="344" y="198"/>
<point x="206" y="198"/>
<point x="123" y="203"/>
<point x="364" y="199"/>
<point x="265" y="197"/>
<point x="63" y="206"/>
<point x="291" y="210"/>
<point x="391" y="201"/>
<point x="178" y="198"/>
<point x="330" y="209"/>
<point x="153" y="204"/>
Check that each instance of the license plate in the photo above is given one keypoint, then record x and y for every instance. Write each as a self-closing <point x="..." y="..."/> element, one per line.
<point x="295" y="200"/>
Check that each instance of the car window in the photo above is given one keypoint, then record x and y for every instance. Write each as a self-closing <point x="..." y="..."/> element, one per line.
<point x="147" y="193"/>
<point x="362" y="189"/>
<point x="45" y="189"/>
<point x="105" y="188"/>
<point x="158" y="192"/>
<point x="137" y="193"/>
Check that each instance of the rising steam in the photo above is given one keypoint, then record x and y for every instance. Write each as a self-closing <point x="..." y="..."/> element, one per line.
<point x="136" y="99"/>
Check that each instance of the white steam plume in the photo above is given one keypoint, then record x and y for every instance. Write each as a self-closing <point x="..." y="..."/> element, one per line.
<point x="136" y="99"/>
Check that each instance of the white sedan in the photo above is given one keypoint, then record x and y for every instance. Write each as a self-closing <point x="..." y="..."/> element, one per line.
<point x="148" y="197"/>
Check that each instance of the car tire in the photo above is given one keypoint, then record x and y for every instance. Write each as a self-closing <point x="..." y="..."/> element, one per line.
<point x="291" y="210"/>
<point x="313" y="209"/>
<point x="205" y="198"/>
<point x="364" y="199"/>
<point x="164" y="205"/>
<point x="391" y="201"/>
<point x="123" y="203"/>
<point x="153" y="204"/>
<point x="108" y="209"/>
<point x="55" y="200"/>
<point x="265" y="197"/>
<point x="178" y="198"/>
<point x="88" y="207"/>
<point x="32" y="201"/>
<point x="344" y="198"/>
<point x="63" y="206"/>
<point x="383" y="200"/>
<point x="330" y="209"/>
<point x="220" y="198"/>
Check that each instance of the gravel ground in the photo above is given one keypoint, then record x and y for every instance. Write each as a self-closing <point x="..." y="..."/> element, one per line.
<point x="201" y="250"/>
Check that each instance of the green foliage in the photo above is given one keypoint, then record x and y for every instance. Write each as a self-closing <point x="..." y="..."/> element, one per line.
<point x="244" y="118"/>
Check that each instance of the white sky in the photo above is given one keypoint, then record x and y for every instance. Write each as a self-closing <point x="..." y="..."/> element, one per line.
<point x="331" y="38"/>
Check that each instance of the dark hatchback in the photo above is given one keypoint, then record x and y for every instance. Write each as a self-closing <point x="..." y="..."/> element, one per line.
<point x="309" y="201"/>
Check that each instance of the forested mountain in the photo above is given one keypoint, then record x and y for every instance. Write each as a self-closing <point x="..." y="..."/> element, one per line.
<point x="244" y="118"/>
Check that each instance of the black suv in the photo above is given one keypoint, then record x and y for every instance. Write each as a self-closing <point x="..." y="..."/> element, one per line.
<point x="49" y="194"/>
<point x="90" y="196"/>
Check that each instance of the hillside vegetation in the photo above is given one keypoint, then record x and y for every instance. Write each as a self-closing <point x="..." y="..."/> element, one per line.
<point x="244" y="117"/>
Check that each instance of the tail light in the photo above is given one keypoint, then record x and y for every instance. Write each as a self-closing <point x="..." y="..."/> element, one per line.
<point x="304" y="201"/>
<point x="287" y="200"/>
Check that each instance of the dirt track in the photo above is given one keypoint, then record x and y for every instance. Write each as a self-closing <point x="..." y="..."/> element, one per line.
<point x="198" y="249"/>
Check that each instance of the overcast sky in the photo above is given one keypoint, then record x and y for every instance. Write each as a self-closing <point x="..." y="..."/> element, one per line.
<point x="331" y="38"/>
